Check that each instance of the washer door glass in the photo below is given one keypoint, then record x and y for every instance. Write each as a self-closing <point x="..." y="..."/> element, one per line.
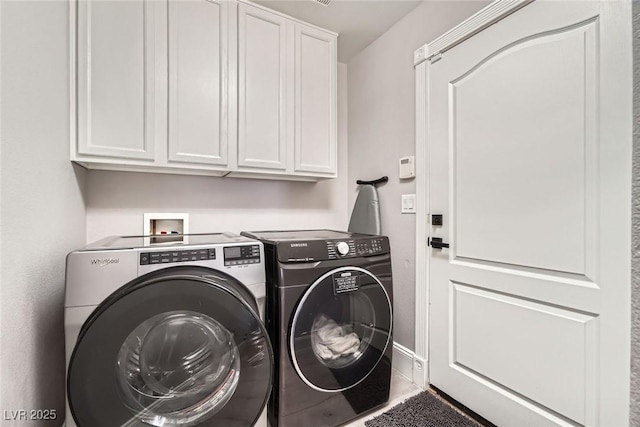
<point x="177" y="368"/>
<point x="341" y="329"/>
<point x="183" y="347"/>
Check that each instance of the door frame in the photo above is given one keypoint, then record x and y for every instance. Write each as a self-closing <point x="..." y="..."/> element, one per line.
<point x="422" y="58"/>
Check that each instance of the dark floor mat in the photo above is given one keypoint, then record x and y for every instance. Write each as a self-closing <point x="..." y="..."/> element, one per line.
<point x="422" y="410"/>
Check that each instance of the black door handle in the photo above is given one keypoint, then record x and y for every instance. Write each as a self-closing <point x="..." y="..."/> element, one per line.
<point x="436" y="243"/>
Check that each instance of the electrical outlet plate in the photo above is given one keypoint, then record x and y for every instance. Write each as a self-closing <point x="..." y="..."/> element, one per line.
<point x="408" y="204"/>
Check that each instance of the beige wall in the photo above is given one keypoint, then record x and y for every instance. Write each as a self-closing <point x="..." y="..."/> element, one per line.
<point x="382" y="129"/>
<point x="635" y="273"/>
<point x="42" y="211"/>
<point x="43" y="215"/>
<point x="116" y="201"/>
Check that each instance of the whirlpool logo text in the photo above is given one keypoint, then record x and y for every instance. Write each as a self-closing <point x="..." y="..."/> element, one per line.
<point x="105" y="261"/>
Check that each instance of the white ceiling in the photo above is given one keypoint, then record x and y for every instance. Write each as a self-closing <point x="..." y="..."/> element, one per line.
<point x="359" y="22"/>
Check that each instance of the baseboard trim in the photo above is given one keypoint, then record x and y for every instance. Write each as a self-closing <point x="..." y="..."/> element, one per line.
<point x="403" y="361"/>
<point x="420" y="372"/>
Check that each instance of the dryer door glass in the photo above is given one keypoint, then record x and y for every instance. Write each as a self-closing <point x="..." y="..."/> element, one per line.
<point x="341" y="329"/>
<point x="181" y="347"/>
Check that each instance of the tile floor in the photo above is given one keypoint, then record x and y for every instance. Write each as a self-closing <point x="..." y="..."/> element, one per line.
<point x="401" y="389"/>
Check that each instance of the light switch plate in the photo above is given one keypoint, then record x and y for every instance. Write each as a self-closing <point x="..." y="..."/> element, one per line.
<point x="408" y="204"/>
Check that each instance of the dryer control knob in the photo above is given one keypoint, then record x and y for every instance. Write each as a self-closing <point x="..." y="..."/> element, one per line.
<point x="342" y="248"/>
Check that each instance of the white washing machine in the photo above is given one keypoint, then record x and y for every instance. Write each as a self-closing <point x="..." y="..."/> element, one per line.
<point x="167" y="331"/>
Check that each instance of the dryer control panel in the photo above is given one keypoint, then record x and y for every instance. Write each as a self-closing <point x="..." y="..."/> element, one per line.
<point x="332" y="249"/>
<point x="354" y="248"/>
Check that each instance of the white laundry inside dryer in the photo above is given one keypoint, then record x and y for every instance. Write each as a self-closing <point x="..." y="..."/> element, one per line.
<point x="331" y="341"/>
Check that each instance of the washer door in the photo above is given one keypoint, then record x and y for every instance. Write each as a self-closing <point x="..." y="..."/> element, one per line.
<point x="180" y="347"/>
<point x="340" y="329"/>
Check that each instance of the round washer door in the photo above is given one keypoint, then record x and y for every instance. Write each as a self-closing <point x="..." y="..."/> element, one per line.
<point x="179" y="347"/>
<point x="340" y="329"/>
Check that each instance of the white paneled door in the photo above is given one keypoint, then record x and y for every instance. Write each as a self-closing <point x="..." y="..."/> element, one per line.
<point x="529" y="130"/>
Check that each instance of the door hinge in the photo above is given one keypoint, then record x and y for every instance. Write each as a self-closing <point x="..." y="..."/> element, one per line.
<point x="435" y="57"/>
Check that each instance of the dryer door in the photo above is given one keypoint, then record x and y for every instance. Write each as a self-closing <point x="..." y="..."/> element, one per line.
<point x="180" y="347"/>
<point x="340" y="329"/>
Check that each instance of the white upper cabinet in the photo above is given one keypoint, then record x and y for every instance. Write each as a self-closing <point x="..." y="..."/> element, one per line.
<point x="198" y="98"/>
<point x="262" y="88"/>
<point x="116" y="79"/>
<point x="205" y="87"/>
<point x="286" y="95"/>
<point x="315" y="89"/>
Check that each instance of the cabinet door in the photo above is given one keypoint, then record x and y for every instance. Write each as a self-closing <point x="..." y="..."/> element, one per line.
<point x="198" y="76"/>
<point x="262" y="88"/>
<point x="315" y="100"/>
<point x="116" y="78"/>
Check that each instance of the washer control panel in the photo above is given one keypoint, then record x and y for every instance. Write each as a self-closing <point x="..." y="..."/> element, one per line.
<point x="165" y="257"/>
<point x="233" y="255"/>
<point x="241" y="255"/>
